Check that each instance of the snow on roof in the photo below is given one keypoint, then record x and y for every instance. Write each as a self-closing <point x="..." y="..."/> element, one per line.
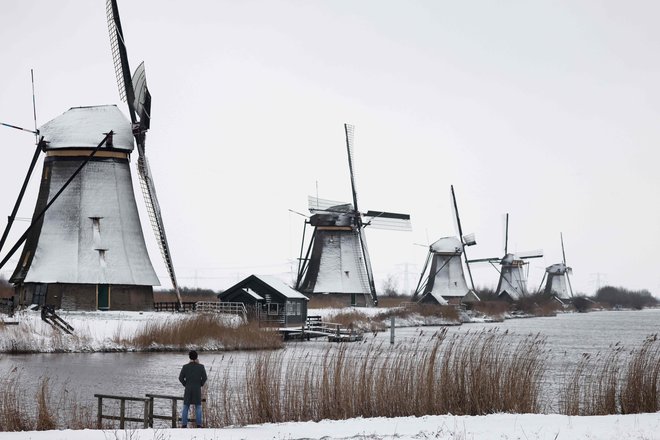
<point x="281" y="287"/>
<point x="254" y="295"/>
<point x="448" y="245"/>
<point x="559" y="268"/>
<point x="85" y="127"/>
<point x="92" y="233"/>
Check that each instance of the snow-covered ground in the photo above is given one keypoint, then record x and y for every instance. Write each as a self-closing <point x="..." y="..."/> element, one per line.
<point x="106" y="331"/>
<point x="93" y="331"/>
<point x="491" y="427"/>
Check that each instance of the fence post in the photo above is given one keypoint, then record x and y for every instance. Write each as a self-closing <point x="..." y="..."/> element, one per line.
<point x="151" y="412"/>
<point x="146" y="414"/>
<point x="99" y="413"/>
<point x="174" y="413"/>
<point x="122" y="413"/>
<point x="392" y="330"/>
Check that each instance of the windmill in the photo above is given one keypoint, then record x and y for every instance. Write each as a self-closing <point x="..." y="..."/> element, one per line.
<point x="512" y="283"/>
<point x="442" y="279"/>
<point x="85" y="248"/>
<point x="557" y="277"/>
<point x="337" y="259"/>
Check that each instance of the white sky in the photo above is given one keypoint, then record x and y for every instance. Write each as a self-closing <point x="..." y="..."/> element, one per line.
<point x="547" y="110"/>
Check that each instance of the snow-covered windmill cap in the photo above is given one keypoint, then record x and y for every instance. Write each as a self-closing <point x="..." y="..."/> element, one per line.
<point x="447" y="245"/>
<point x="85" y="127"/>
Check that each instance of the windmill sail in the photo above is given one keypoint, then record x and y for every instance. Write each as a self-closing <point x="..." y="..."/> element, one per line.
<point x="139" y="106"/>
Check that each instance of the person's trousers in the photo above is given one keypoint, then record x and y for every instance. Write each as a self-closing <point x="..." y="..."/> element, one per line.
<point x="198" y="415"/>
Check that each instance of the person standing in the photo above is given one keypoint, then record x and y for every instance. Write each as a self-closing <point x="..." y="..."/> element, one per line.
<point x="193" y="377"/>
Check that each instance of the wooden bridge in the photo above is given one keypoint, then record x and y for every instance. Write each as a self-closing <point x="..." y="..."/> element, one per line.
<point x="317" y="328"/>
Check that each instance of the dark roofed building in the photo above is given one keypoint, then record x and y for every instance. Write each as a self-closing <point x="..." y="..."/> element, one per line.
<point x="269" y="299"/>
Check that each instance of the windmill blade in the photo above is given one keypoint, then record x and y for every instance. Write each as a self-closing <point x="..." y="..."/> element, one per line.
<point x="563" y="253"/>
<point x="388" y="220"/>
<point x="299" y="213"/>
<point x="506" y="235"/>
<point x="120" y="57"/>
<point x="155" y="217"/>
<point x="142" y="102"/>
<point x="316" y="204"/>
<point x="538" y="253"/>
<point x="465" y="240"/>
<point x="143" y="106"/>
<point x="350" y="132"/>
<point x="367" y="265"/>
<point x="569" y="272"/>
<point x="482" y="260"/>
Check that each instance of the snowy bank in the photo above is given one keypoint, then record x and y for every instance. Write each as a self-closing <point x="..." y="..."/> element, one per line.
<point x="93" y="331"/>
<point x="491" y="427"/>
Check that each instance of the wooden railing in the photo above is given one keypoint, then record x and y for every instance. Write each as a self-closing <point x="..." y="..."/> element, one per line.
<point x="122" y="411"/>
<point x="173" y="416"/>
<point x="333" y="330"/>
<point x="229" y="308"/>
<point x="174" y="306"/>
<point x="149" y="416"/>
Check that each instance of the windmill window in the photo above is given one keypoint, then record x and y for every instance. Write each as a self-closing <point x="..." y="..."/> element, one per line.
<point x="102" y="261"/>
<point x="96" y="227"/>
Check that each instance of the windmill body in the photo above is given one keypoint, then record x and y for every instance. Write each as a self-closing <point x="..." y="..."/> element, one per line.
<point x="337" y="260"/>
<point x="88" y="250"/>
<point x="338" y="263"/>
<point x="445" y="282"/>
<point x="513" y="280"/>
<point x="557" y="281"/>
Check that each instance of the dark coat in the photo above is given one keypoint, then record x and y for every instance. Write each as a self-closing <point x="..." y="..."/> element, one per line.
<point x="193" y="377"/>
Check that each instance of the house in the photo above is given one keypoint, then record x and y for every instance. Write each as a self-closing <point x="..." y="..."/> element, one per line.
<point x="269" y="300"/>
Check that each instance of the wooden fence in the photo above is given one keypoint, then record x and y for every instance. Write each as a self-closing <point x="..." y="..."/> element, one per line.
<point x="147" y="420"/>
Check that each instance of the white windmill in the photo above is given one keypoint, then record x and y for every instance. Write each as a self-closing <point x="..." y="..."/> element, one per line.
<point x="512" y="284"/>
<point x="557" y="277"/>
<point x="85" y="247"/>
<point x="442" y="280"/>
<point x="337" y="259"/>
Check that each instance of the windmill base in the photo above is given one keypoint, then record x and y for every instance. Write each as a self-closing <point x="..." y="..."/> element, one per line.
<point x="340" y="299"/>
<point x="67" y="296"/>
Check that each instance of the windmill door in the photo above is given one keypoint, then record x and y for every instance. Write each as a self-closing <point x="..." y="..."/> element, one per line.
<point x="103" y="297"/>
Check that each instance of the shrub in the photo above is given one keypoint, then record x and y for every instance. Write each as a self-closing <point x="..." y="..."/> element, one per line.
<point x="621" y="297"/>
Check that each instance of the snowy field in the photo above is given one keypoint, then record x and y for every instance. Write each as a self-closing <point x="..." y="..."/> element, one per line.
<point x="491" y="427"/>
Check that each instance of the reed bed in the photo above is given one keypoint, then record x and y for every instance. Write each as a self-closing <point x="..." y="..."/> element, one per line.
<point x="50" y="409"/>
<point x="478" y="373"/>
<point x="617" y="382"/>
<point x="200" y="330"/>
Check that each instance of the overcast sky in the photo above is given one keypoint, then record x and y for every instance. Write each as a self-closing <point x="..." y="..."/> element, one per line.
<point x="547" y="110"/>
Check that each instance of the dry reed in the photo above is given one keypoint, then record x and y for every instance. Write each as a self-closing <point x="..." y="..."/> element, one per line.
<point x="201" y="330"/>
<point x="615" y="383"/>
<point x="46" y="409"/>
<point x="640" y="388"/>
<point x="477" y="373"/>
